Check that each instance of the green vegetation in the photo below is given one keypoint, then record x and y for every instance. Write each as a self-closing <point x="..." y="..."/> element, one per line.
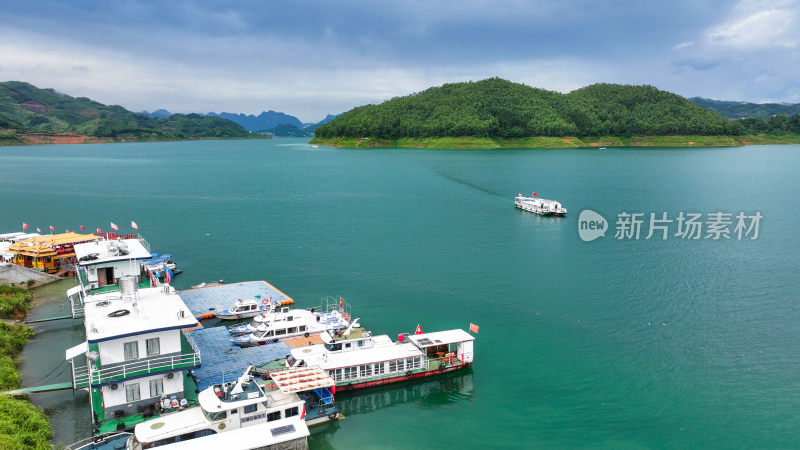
<point x="22" y="425"/>
<point x="746" y="110"/>
<point x="289" y="130"/>
<point x="14" y="302"/>
<point x="565" y="142"/>
<point x="496" y="108"/>
<point x="26" y="110"/>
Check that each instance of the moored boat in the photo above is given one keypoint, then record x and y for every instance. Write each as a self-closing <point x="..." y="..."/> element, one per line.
<point x="298" y="322"/>
<point x="366" y="361"/>
<point x="245" y="308"/>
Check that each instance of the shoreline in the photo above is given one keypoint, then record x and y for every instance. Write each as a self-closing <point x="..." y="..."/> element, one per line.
<point x="467" y="142"/>
<point x="20" y="140"/>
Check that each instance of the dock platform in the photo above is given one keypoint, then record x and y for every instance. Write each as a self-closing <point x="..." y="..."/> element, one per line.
<point x="205" y="300"/>
<point x="222" y="359"/>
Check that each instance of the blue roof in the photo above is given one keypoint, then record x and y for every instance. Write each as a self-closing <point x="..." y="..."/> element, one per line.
<point x="159" y="260"/>
<point x="201" y="300"/>
<point x="222" y="359"/>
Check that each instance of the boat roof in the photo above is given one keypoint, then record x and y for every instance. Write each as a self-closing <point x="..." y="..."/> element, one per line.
<point x="262" y="435"/>
<point x="157" y="259"/>
<point x="253" y="394"/>
<point x="169" y="424"/>
<point x="106" y="251"/>
<point x="5" y="236"/>
<point x="425" y="340"/>
<point x="44" y="245"/>
<point x="149" y="311"/>
<point x="299" y="379"/>
<point x="384" y="350"/>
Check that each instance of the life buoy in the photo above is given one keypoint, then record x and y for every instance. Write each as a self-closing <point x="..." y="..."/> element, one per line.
<point x="264" y="301"/>
<point x="408" y="374"/>
<point x="222" y="426"/>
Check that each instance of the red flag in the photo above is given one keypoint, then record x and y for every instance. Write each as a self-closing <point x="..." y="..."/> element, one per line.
<point x="24" y="226"/>
<point x="133" y="225"/>
<point x="419" y="330"/>
<point x="52" y="228"/>
<point x="534" y="194"/>
<point x="167" y="274"/>
<point x="66" y="231"/>
<point x="114" y="226"/>
<point x="341" y="302"/>
<point x="83" y="227"/>
<point x="473" y="327"/>
<point x="99" y="231"/>
<point x="38" y="230"/>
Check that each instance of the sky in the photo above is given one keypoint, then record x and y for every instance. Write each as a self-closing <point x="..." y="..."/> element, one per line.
<point x="313" y="58"/>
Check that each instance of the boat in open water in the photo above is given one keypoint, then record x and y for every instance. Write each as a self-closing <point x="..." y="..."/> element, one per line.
<point x="538" y="205"/>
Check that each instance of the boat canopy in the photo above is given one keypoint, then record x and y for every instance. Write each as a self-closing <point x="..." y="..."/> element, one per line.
<point x="440" y="338"/>
<point x="159" y="260"/>
<point x="301" y="379"/>
<point x="79" y="349"/>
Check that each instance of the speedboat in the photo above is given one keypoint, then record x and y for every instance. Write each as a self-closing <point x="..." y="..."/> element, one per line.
<point x="296" y="322"/>
<point x="249" y="307"/>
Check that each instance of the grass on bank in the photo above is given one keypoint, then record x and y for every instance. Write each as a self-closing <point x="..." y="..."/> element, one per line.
<point x="470" y="142"/>
<point x="22" y="425"/>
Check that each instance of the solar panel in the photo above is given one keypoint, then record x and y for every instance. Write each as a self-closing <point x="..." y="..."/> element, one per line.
<point x="282" y="430"/>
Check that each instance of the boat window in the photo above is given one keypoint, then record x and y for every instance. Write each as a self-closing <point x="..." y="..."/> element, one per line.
<point x="183" y="437"/>
<point x="132" y="392"/>
<point x="153" y="346"/>
<point x="350" y="373"/>
<point x="214" y="416"/>
<point x="269" y="333"/>
<point x="336" y="374"/>
<point x="273" y="416"/>
<point x="292" y="330"/>
<point x="361" y="343"/>
<point x="379" y="369"/>
<point x="290" y="318"/>
<point x="251" y="408"/>
<point x="302" y="328"/>
<point x="280" y="332"/>
<point x="365" y="371"/>
<point x="333" y="347"/>
<point x="348" y="345"/>
<point x="396" y="365"/>
<point x="291" y="412"/>
<point x="131" y="350"/>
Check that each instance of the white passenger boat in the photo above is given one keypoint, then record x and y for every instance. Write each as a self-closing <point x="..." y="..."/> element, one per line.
<point x="240" y="415"/>
<point x="248" y="307"/>
<point x="539" y="205"/>
<point x="374" y="360"/>
<point x="295" y="322"/>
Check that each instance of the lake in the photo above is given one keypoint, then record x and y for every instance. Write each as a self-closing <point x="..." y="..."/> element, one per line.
<point x="615" y="343"/>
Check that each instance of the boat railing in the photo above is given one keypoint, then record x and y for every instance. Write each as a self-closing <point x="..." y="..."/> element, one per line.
<point x="95" y="439"/>
<point x="80" y="377"/>
<point x="139" y="367"/>
<point x="191" y="341"/>
<point x="447" y="360"/>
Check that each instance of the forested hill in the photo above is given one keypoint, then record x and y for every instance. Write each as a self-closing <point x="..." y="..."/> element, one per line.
<point x="496" y="108"/>
<point x="746" y="110"/>
<point x="30" y="115"/>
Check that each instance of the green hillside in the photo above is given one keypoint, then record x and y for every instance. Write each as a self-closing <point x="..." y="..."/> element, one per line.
<point x="27" y="111"/>
<point x="499" y="109"/>
<point x="746" y="110"/>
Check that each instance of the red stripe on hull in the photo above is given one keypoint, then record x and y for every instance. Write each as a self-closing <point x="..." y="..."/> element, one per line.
<point x="349" y="387"/>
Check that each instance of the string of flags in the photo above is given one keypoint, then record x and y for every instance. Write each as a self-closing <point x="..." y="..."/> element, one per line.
<point x="114" y="227"/>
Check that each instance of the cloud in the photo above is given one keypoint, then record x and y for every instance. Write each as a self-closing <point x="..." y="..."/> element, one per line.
<point x="755" y="25"/>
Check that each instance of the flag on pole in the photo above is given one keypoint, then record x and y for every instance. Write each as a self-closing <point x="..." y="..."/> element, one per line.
<point x="99" y="231"/>
<point x="473" y="327"/>
<point x="418" y="330"/>
<point x="133" y="225"/>
<point x="24" y="226"/>
<point x="167" y="274"/>
<point x="83" y="227"/>
<point x="38" y="230"/>
<point x="114" y="226"/>
<point x="534" y="194"/>
<point x="341" y="302"/>
<point x="52" y="228"/>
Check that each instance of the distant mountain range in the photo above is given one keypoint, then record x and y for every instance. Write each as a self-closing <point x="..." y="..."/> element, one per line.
<point x="277" y="123"/>
<point x="746" y="110"/>
<point x="29" y="114"/>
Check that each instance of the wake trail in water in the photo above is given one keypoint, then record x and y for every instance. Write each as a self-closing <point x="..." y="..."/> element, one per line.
<point x="472" y="185"/>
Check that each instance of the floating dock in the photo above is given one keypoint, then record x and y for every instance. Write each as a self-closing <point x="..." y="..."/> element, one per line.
<point x="222" y="359"/>
<point x="204" y="301"/>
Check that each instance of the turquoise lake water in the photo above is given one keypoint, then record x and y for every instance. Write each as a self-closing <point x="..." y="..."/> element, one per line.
<point x="610" y="344"/>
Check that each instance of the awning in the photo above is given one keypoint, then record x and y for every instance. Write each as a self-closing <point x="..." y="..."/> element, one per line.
<point x="440" y="338"/>
<point x="79" y="349"/>
<point x="73" y="291"/>
<point x="301" y="379"/>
